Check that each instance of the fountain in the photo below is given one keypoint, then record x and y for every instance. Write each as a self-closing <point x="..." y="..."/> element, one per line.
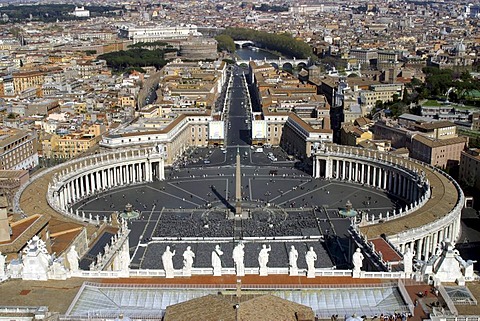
<point x="129" y="213"/>
<point x="348" y="211"/>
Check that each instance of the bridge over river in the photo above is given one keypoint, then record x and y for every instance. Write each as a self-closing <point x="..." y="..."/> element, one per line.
<point x="278" y="62"/>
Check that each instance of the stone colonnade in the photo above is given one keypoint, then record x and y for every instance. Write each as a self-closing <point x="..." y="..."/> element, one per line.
<point x="395" y="180"/>
<point x="403" y="178"/>
<point x="92" y="175"/>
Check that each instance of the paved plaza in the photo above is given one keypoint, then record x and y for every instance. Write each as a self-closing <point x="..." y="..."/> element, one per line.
<point x="196" y="202"/>
<point x="193" y="206"/>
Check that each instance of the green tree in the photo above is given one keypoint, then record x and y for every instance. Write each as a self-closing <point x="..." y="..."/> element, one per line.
<point x="281" y="42"/>
<point x="406" y="96"/>
<point x="225" y="43"/>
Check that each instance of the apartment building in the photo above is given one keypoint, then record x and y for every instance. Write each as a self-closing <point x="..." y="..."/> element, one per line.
<point x="363" y="56"/>
<point x="428" y="127"/>
<point x="7" y="88"/>
<point x="352" y="135"/>
<point x="300" y="138"/>
<point x="381" y="92"/>
<point x="72" y="144"/>
<point x="442" y="153"/>
<point x="27" y="79"/>
<point x="174" y="135"/>
<point x="469" y="173"/>
<point x="157" y="32"/>
<point x="87" y="69"/>
<point x="18" y="149"/>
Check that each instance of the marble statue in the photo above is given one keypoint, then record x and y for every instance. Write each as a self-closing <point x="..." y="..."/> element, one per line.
<point x="263" y="256"/>
<point x="292" y="261"/>
<point x="357" y="260"/>
<point x="72" y="257"/>
<point x="408" y="260"/>
<point x="263" y="259"/>
<point x="293" y="257"/>
<point x="167" y="260"/>
<point x="188" y="257"/>
<point x="2" y="265"/>
<point x="217" y="261"/>
<point x="57" y="270"/>
<point x="311" y="257"/>
<point x="238" y="255"/>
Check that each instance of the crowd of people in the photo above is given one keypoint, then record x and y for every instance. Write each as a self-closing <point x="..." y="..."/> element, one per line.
<point x="194" y="224"/>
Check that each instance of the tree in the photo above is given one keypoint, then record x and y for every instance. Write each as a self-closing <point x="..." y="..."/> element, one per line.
<point x="281" y="42"/>
<point x="225" y="43"/>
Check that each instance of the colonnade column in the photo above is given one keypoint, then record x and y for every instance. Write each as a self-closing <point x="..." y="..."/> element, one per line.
<point x="77" y="190"/>
<point x="120" y="174"/>
<point x="380" y="177"/>
<point x="427" y="247"/>
<point x="318" y="169"/>
<point x="60" y="199"/>
<point x="98" y="179"/>
<point x="368" y="174"/>
<point x="88" y="183"/>
<point x="419" y="248"/>
<point x="390" y="181"/>
<point x="137" y="172"/>
<point x="362" y="173"/>
<point x="148" y="171"/>
<point x="394" y="183"/>
<point x="162" y="169"/>
<point x="385" y="178"/>
<point x="104" y="179"/>
<point x="337" y="170"/>
<point x="328" y="168"/>
<point x="344" y="169"/>
<point x="434" y="241"/>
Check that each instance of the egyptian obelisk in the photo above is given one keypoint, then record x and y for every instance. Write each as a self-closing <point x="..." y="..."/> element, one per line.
<point x="238" y="186"/>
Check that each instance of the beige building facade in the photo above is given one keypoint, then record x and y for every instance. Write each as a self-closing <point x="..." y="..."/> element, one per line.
<point x="18" y="149"/>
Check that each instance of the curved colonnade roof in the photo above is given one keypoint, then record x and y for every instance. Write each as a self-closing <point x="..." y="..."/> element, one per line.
<point x="444" y="197"/>
<point x="33" y="201"/>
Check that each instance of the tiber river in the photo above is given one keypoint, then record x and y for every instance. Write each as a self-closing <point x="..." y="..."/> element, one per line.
<point x="247" y="53"/>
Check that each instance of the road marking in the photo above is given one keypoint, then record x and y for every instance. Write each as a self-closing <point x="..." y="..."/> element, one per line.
<point x="140" y="244"/>
<point x="174" y="196"/>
